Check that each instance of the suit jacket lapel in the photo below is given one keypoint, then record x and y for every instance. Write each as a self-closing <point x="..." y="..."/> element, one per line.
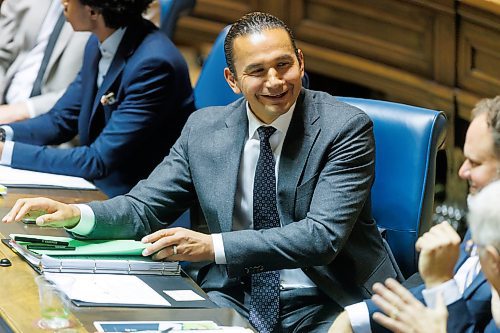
<point x="89" y="84"/>
<point x="62" y="41"/>
<point x="229" y="141"/>
<point x="132" y="37"/>
<point x="476" y="283"/>
<point x="298" y="143"/>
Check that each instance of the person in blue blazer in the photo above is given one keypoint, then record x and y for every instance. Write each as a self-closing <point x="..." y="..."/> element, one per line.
<point x="404" y="313"/>
<point x="445" y="265"/>
<point x="128" y="104"/>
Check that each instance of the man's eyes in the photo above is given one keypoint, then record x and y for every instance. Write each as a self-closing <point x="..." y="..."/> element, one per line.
<point x="283" y="64"/>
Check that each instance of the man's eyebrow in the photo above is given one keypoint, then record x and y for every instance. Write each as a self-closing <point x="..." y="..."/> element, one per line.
<point x="252" y="67"/>
<point x="255" y="66"/>
<point x="285" y="57"/>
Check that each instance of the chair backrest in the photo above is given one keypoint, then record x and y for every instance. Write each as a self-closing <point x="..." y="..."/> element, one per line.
<point x="170" y="11"/>
<point x="407" y="139"/>
<point x="211" y="89"/>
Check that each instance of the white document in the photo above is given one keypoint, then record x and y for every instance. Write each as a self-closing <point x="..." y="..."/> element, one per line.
<point x="166" y="326"/>
<point x="25" y="178"/>
<point x="106" y="288"/>
<point x="183" y="295"/>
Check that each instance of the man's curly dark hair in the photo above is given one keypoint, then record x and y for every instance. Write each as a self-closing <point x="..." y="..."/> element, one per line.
<point x="119" y="13"/>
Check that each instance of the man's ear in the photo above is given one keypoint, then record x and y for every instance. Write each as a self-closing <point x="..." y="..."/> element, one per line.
<point x="93" y="13"/>
<point x="301" y="62"/>
<point x="231" y="80"/>
<point x="492" y="258"/>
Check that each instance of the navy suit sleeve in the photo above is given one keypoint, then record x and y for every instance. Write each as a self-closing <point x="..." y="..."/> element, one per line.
<point x="148" y="87"/>
<point x="59" y="125"/>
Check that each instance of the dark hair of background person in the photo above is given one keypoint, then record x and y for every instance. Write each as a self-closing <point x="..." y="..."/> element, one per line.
<point x="251" y="23"/>
<point x="119" y="13"/>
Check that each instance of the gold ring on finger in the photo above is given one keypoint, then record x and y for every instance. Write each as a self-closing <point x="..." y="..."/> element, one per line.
<point x="394" y="314"/>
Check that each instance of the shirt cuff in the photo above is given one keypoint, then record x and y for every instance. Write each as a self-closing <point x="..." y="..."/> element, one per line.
<point x="31" y="109"/>
<point x="220" y="256"/>
<point x="359" y="317"/>
<point x="87" y="220"/>
<point x="8" y="148"/>
<point x="9" y="132"/>
<point x="448" y="289"/>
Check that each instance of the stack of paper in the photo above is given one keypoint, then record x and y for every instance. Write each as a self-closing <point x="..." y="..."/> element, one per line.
<point x="24" y="178"/>
<point x="165" y="326"/>
<point x="94" y="256"/>
<point x="107" y="289"/>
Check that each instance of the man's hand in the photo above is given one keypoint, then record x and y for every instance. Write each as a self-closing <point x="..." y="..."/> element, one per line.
<point x="10" y="113"/>
<point x="405" y="313"/>
<point x="439" y="249"/>
<point x="342" y="324"/>
<point x="48" y="213"/>
<point x="179" y="244"/>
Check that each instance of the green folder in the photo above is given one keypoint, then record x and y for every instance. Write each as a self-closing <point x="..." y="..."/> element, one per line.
<point x="121" y="256"/>
<point x="120" y="247"/>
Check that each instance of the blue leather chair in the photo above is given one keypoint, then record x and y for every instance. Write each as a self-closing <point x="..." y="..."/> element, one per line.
<point x="211" y="89"/>
<point x="170" y="11"/>
<point x="407" y="139"/>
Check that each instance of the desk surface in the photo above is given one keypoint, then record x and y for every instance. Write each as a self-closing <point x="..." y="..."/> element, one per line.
<point x="19" y="305"/>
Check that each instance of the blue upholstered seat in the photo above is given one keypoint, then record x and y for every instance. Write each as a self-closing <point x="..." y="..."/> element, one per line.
<point x="170" y="11"/>
<point x="407" y="139"/>
<point x="211" y="89"/>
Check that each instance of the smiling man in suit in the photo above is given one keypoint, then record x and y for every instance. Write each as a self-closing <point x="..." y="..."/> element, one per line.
<point x="128" y="103"/>
<point x="283" y="179"/>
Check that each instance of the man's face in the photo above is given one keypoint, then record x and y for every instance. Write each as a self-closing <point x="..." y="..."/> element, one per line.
<point x="78" y="15"/>
<point x="490" y="265"/>
<point x="268" y="72"/>
<point x="481" y="164"/>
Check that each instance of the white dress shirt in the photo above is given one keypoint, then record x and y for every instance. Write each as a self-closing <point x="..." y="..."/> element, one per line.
<point x="108" y="50"/>
<point x="243" y="212"/>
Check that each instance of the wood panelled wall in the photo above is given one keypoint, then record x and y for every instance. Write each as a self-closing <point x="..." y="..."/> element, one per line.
<point x="439" y="54"/>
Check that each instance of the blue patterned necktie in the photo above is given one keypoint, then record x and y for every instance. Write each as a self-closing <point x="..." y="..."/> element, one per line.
<point x="264" y="301"/>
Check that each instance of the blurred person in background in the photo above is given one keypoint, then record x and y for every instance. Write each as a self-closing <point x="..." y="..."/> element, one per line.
<point x="128" y="103"/>
<point x="40" y="55"/>
<point x="440" y="248"/>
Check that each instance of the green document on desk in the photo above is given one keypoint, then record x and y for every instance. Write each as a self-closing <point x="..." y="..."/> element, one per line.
<point x="91" y="256"/>
<point x="122" y="247"/>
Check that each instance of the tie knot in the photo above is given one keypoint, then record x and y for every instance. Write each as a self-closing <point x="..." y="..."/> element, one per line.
<point x="265" y="132"/>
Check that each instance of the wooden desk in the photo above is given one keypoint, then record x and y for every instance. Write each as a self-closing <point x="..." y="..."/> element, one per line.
<point x="19" y="305"/>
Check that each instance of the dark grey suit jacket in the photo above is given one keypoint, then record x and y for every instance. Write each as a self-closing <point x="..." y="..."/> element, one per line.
<point x="325" y="175"/>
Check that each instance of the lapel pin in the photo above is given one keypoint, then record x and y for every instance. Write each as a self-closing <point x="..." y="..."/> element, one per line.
<point x="108" y="98"/>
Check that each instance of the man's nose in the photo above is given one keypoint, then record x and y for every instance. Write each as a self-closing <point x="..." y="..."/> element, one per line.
<point x="464" y="170"/>
<point x="273" y="78"/>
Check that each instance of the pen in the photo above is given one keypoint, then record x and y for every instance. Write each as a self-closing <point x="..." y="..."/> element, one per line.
<point x="50" y="247"/>
<point x="40" y="241"/>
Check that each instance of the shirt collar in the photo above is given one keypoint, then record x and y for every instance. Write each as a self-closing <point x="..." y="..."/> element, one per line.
<point x="281" y="123"/>
<point x="110" y="45"/>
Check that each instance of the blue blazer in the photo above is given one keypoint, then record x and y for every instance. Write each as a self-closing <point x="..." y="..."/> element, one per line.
<point x="471" y="313"/>
<point x="121" y="142"/>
